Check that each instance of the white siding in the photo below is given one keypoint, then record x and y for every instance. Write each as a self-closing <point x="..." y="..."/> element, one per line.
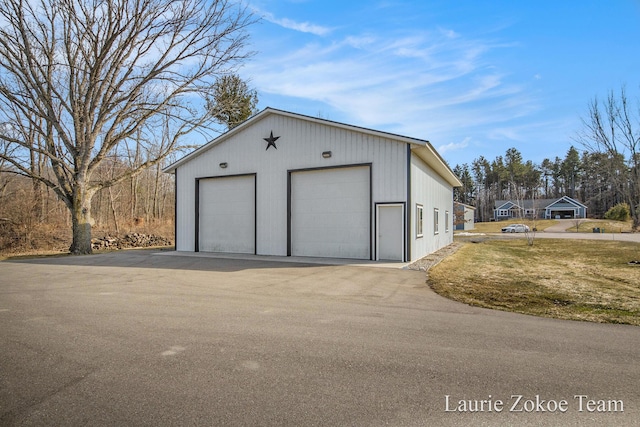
<point x="469" y="223"/>
<point x="432" y="192"/>
<point x="300" y="146"/>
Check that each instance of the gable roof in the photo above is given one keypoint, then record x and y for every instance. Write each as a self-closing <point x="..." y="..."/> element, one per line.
<point x="500" y="204"/>
<point x="567" y="199"/>
<point x="422" y="148"/>
<point x="537" y="203"/>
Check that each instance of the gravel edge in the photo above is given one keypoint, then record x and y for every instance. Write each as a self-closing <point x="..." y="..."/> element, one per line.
<point x="433" y="259"/>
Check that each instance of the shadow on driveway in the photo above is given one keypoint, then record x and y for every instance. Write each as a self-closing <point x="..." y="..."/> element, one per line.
<point x="196" y="261"/>
<point x="158" y="259"/>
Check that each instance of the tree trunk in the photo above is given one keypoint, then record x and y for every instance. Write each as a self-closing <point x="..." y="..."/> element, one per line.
<point x="113" y="211"/>
<point x="634" y="191"/>
<point x="81" y="222"/>
<point x="156" y="189"/>
<point x="134" y="198"/>
<point x="635" y="216"/>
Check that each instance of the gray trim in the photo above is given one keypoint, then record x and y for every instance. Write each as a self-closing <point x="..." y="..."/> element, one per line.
<point x="407" y="211"/>
<point x="288" y="213"/>
<point x="371" y="248"/>
<point x="175" y="210"/>
<point x="196" y="237"/>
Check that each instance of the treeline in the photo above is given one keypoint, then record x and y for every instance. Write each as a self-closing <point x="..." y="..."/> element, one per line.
<point x="596" y="179"/>
<point x="32" y="216"/>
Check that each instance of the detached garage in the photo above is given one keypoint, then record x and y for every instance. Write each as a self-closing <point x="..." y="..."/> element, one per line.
<point x="291" y="185"/>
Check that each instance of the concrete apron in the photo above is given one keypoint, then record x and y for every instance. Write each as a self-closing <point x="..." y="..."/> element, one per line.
<point x="290" y="259"/>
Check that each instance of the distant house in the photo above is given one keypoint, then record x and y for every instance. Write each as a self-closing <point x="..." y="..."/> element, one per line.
<point x="565" y="207"/>
<point x="464" y="216"/>
<point x="562" y="208"/>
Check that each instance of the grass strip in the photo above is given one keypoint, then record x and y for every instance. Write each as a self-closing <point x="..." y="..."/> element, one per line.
<point x="565" y="279"/>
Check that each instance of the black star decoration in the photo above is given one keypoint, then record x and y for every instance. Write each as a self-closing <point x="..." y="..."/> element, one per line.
<point x="271" y="141"/>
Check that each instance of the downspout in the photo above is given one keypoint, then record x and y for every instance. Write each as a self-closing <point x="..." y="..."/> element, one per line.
<point x="407" y="249"/>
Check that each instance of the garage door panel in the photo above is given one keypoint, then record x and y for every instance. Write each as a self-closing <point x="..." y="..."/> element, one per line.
<point x="227" y="214"/>
<point x="331" y="213"/>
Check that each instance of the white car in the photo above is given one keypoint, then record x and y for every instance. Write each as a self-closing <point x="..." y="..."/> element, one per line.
<point x="515" y="228"/>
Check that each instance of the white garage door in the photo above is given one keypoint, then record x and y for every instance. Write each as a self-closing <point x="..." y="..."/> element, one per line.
<point x="227" y="214"/>
<point x="331" y="213"/>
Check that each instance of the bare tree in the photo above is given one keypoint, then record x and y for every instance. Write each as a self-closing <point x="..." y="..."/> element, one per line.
<point x="530" y="233"/>
<point x="577" y="222"/>
<point x="90" y="78"/>
<point x="614" y="129"/>
<point x="520" y="196"/>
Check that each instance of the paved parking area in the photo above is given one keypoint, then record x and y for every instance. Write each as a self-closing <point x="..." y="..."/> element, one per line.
<point x="139" y="338"/>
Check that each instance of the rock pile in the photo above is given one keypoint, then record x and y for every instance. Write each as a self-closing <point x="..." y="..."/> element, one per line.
<point x="133" y="240"/>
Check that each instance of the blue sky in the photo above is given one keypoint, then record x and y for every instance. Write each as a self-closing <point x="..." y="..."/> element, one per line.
<point x="473" y="77"/>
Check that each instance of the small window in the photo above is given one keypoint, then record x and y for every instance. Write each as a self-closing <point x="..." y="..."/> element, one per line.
<point x="419" y="220"/>
<point x="503" y="212"/>
<point x="436" y="221"/>
<point x="446" y="221"/>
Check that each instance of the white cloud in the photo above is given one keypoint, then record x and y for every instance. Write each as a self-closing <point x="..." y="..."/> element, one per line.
<point x="522" y="132"/>
<point x="303" y="27"/>
<point x="449" y="33"/>
<point x="409" y="72"/>
<point x="454" y="146"/>
<point x="360" y="42"/>
<point x="435" y="85"/>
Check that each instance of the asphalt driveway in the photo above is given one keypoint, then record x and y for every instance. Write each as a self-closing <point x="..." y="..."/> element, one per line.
<point x="139" y="338"/>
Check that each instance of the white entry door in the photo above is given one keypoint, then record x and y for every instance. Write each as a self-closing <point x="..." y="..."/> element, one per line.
<point x="390" y="232"/>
